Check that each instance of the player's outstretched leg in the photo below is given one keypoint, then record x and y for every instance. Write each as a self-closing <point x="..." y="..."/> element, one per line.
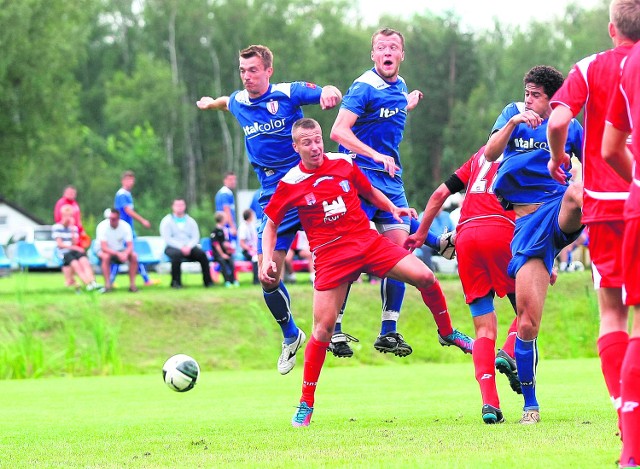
<point x="278" y="303"/>
<point x="447" y="335"/>
<point x="389" y="340"/>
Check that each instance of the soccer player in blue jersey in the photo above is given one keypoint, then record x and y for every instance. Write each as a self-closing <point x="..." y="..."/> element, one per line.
<point x="371" y="124"/>
<point x="266" y="113"/>
<point x="548" y="212"/>
<point x="225" y="202"/>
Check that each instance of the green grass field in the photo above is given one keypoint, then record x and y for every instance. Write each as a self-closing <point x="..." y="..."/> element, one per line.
<point x="100" y="400"/>
<point x="424" y="415"/>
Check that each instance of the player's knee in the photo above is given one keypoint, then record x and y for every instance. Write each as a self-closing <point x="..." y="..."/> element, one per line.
<point x="528" y="327"/>
<point x="323" y="330"/>
<point x="574" y="195"/>
<point x="424" y="279"/>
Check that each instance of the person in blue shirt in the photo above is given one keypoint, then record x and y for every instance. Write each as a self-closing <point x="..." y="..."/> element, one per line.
<point x="123" y="202"/>
<point x="548" y="212"/>
<point x="371" y="124"/>
<point x="226" y="202"/>
<point x="266" y="113"/>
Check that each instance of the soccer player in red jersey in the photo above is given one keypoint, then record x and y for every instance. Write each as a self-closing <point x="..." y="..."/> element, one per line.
<point x="589" y="86"/>
<point x="325" y="188"/>
<point x="482" y="239"/>
<point x="622" y="119"/>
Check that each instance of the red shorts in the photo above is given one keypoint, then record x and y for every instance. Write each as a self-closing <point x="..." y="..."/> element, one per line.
<point x="631" y="261"/>
<point x="605" y="249"/>
<point x="483" y="254"/>
<point x="343" y="261"/>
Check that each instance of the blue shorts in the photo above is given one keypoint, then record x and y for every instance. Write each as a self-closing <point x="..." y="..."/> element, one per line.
<point x="538" y="235"/>
<point x="392" y="188"/>
<point x="287" y="229"/>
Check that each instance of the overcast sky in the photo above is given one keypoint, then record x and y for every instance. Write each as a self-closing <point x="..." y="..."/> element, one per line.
<point x="474" y="14"/>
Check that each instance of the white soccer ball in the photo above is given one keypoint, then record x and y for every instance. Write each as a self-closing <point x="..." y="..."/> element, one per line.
<point x="180" y="372"/>
<point x="448" y="245"/>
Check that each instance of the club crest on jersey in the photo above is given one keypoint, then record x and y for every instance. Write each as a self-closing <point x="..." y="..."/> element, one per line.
<point x="310" y="198"/>
<point x="322" y="178"/>
<point x="272" y="107"/>
<point x="334" y="210"/>
<point x="345" y="185"/>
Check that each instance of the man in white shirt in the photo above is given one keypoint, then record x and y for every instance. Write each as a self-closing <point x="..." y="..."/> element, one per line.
<point x="181" y="234"/>
<point x="115" y="238"/>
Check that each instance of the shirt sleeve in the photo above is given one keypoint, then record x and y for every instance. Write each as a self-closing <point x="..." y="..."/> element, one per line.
<point x="304" y="92"/>
<point x="279" y="204"/>
<point x="356" y="98"/>
<point x="360" y="181"/>
<point x="507" y="113"/>
<point x="573" y="92"/>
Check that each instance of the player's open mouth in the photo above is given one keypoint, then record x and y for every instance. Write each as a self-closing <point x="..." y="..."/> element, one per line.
<point x="387" y="63"/>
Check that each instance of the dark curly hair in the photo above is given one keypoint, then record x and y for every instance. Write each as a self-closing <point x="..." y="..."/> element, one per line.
<point x="547" y="77"/>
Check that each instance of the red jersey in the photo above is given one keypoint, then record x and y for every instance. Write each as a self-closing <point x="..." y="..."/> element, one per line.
<point x="480" y="205"/>
<point x="590" y="85"/>
<point x="326" y="199"/>
<point x="623" y="112"/>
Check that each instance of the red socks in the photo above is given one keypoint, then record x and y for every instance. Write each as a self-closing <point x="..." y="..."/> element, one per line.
<point x="630" y="410"/>
<point x="510" y="343"/>
<point x="314" y="355"/>
<point x="435" y="301"/>
<point x="484" y="351"/>
<point x="612" y="348"/>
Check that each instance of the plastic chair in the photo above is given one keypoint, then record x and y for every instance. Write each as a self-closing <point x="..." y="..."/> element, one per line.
<point x="145" y="255"/>
<point x="28" y="257"/>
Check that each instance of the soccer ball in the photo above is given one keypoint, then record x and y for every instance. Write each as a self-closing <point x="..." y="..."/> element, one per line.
<point x="447" y="245"/>
<point x="180" y="372"/>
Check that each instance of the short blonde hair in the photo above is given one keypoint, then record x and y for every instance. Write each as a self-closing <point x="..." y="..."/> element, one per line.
<point x="625" y="16"/>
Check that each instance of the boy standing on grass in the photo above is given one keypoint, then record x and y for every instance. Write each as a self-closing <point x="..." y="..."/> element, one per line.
<point x="325" y="189"/>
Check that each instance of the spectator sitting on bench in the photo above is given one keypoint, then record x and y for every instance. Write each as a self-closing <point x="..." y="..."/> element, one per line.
<point x="181" y="234"/>
<point x="74" y="258"/>
<point x="223" y="250"/>
<point x="115" y="246"/>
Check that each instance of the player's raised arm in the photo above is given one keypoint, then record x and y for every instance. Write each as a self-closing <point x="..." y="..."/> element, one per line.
<point x="330" y="97"/>
<point x="217" y="104"/>
<point x="413" y="99"/>
<point x="341" y="133"/>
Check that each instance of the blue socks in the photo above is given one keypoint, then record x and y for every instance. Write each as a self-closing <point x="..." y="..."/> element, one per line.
<point x="526" y="352"/>
<point x="392" y="292"/>
<point x="279" y="304"/>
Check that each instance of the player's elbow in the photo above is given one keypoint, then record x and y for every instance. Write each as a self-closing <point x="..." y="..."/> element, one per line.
<point x="335" y="135"/>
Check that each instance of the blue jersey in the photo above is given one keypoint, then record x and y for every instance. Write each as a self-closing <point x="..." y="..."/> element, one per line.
<point x="266" y="122"/>
<point x="381" y="108"/>
<point x="124" y="199"/>
<point x="523" y="176"/>
<point x="225" y="197"/>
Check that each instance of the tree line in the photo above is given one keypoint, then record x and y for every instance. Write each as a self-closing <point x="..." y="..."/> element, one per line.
<point x="91" y="88"/>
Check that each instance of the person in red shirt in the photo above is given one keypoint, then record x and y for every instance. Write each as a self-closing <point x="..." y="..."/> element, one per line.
<point x="482" y="242"/>
<point x="623" y="112"/>
<point x="68" y="198"/>
<point x="589" y="86"/>
<point x="325" y="189"/>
